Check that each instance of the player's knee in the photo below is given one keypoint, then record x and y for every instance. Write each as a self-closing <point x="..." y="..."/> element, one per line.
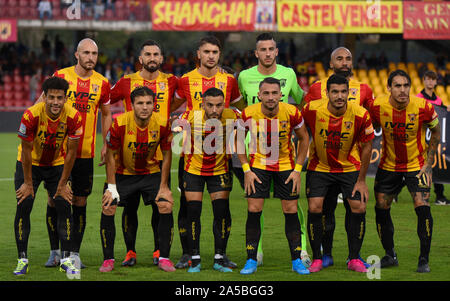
<point x="50" y="202"/>
<point x="289" y="206"/>
<point x="110" y="211"/>
<point x="315" y="207"/>
<point x="80" y="201"/>
<point x="164" y="207"/>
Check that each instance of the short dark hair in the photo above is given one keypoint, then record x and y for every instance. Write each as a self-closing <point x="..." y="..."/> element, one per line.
<point x="270" y="80"/>
<point x="209" y="40"/>
<point x="398" y="72"/>
<point x="213" y="92"/>
<point x="264" y="37"/>
<point x="141" y="91"/>
<point x="55" y="83"/>
<point x="430" y="74"/>
<point x="336" y="79"/>
<point x="151" y="43"/>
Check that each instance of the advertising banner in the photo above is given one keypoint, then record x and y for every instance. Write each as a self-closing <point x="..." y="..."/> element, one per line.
<point x="340" y="16"/>
<point x="426" y="20"/>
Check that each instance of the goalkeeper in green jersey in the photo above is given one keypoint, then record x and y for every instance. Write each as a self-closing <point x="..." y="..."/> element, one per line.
<point x="266" y="52"/>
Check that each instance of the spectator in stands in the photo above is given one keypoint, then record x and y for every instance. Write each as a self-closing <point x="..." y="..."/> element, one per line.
<point x="35" y="81"/>
<point x="44" y="7"/>
<point x="383" y="61"/>
<point x="362" y="61"/>
<point x="99" y="9"/>
<point x="110" y="5"/>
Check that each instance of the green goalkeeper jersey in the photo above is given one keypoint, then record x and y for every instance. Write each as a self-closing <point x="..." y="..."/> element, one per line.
<point x="249" y="80"/>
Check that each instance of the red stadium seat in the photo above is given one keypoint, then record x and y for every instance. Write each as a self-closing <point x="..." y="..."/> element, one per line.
<point x="119" y="4"/>
<point x="17" y="78"/>
<point x="19" y="86"/>
<point x="24" y="3"/>
<point x="8" y="95"/>
<point x="57" y="13"/>
<point x="8" y="87"/>
<point x="34" y="3"/>
<point x="17" y="71"/>
<point x="109" y="15"/>
<point x="26" y="79"/>
<point x="33" y="13"/>
<point x="56" y="3"/>
<point x="7" y="79"/>
<point x="18" y="95"/>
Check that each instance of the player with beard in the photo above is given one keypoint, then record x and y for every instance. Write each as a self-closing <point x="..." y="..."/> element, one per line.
<point x="267" y="52"/>
<point x="88" y="92"/>
<point x="341" y="62"/>
<point x="191" y="87"/>
<point x="164" y="86"/>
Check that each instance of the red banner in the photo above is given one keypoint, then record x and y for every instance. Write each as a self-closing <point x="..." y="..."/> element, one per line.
<point x="426" y="20"/>
<point x="203" y="15"/>
<point x="8" y="30"/>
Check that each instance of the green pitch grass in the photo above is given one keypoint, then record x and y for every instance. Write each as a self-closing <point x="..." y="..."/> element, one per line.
<point x="277" y="265"/>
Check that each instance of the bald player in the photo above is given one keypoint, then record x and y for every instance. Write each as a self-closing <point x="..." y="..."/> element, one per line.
<point x="88" y="92"/>
<point x="341" y="62"/>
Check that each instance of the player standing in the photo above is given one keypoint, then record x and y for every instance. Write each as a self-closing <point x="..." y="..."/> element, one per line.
<point x="207" y="163"/>
<point x="267" y="52"/>
<point x="164" y="86"/>
<point x="88" y="92"/>
<point x="133" y="171"/>
<point x="341" y="62"/>
<point x="406" y="160"/>
<point x="191" y="87"/>
<point x="339" y="155"/>
<point x="270" y="124"/>
<point x="45" y="128"/>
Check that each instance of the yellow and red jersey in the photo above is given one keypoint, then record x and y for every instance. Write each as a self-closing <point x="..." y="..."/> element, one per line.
<point x="358" y="92"/>
<point x="264" y="130"/>
<point x="335" y="140"/>
<point x="164" y="87"/>
<point x="86" y="95"/>
<point x="404" y="147"/>
<point x="207" y="151"/>
<point x="48" y="135"/>
<point x="192" y="85"/>
<point x="135" y="146"/>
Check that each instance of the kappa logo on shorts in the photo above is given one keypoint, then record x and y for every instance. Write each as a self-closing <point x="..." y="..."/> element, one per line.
<point x="307" y="191"/>
<point x="184" y="185"/>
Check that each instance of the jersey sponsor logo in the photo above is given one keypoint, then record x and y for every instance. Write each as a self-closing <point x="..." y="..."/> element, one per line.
<point x="398" y="125"/>
<point x="208" y="83"/>
<point x="400" y="137"/>
<point x="45" y="135"/>
<point x="334" y="134"/>
<point x="82" y="84"/>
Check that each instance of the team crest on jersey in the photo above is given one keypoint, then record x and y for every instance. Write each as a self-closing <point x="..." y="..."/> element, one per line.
<point x="282" y="82"/>
<point x="353" y="91"/>
<point x="61" y="126"/>
<point x="283" y="124"/>
<point x="95" y="88"/>
<point x="162" y="86"/>
<point x="348" y="125"/>
<point x="154" y="134"/>
<point x="412" y="117"/>
<point x="221" y="85"/>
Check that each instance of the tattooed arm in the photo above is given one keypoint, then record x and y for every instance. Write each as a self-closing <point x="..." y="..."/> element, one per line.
<point x="425" y="174"/>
